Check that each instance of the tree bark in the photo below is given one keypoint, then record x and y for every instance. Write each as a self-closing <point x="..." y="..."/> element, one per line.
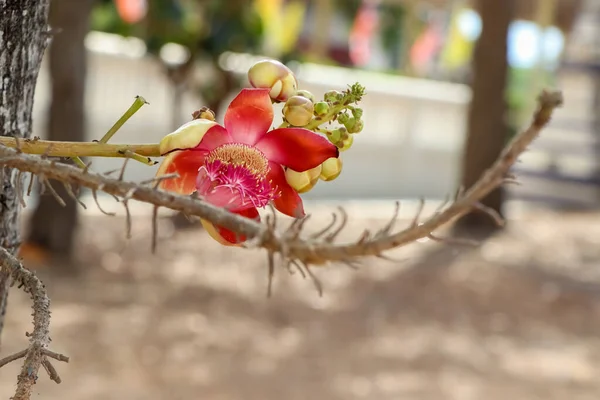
<point x="487" y="122"/>
<point x="24" y="35"/>
<point x="52" y="226"/>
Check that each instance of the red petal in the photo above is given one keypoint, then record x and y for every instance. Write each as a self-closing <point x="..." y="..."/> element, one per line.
<point x="297" y="148"/>
<point x="249" y="116"/>
<point x="185" y="163"/>
<point x="221" y="196"/>
<point x="213" y="138"/>
<point x="289" y="203"/>
<point x="232" y="237"/>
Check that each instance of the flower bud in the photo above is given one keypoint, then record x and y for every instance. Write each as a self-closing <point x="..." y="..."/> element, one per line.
<point x="274" y="75"/>
<point x="334" y="136"/>
<point x="357" y="112"/>
<point x="302" y="182"/>
<point x="331" y="169"/>
<point x="321" y="108"/>
<point x="204" y="113"/>
<point x="298" y="110"/>
<point x="345" y="143"/>
<point x="333" y="95"/>
<point x="343" y="132"/>
<point x="358" y="126"/>
<point x="343" y="118"/>
<point x="350" y="124"/>
<point x="307" y="94"/>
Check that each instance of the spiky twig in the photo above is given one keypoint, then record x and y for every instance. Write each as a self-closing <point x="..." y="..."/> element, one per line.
<point x="37" y="353"/>
<point x="315" y="250"/>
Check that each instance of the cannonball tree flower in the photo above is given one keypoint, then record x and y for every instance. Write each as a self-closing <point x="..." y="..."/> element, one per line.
<point x="240" y="166"/>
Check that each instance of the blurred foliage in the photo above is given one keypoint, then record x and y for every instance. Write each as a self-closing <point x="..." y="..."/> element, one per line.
<point x="348" y="8"/>
<point x="168" y="22"/>
<point x="235" y="27"/>
<point x="204" y="26"/>
<point x="106" y="19"/>
<point x="209" y="28"/>
<point x="391" y="24"/>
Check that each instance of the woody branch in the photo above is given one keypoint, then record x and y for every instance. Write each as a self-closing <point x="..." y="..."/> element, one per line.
<point x="290" y="244"/>
<point x="38" y="353"/>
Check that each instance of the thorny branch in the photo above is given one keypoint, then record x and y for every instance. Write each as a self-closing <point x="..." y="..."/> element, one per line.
<point x="295" y="251"/>
<point x="317" y="249"/>
<point x="37" y="353"/>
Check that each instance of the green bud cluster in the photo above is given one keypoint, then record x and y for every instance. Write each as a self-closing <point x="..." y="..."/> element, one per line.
<point x="336" y="107"/>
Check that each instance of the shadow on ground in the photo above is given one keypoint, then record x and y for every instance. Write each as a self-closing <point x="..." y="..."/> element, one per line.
<point x="517" y="317"/>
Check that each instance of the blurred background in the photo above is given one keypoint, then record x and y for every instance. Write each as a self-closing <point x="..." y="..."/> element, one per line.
<point x="449" y="82"/>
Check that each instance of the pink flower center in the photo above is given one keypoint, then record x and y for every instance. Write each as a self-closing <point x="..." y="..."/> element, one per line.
<point x="234" y="176"/>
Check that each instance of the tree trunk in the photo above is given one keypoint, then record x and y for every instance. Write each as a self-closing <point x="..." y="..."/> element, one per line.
<point x="52" y="227"/>
<point x="23" y="38"/>
<point x="487" y="124"/>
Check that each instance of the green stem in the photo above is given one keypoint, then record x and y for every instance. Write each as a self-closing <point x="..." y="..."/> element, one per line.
<point x="78" y="161"/>
<point x="82" y="149"/>
<point x="139" y="157"/>
<point x="323" y="119"/>
<point x="137" y="104"/>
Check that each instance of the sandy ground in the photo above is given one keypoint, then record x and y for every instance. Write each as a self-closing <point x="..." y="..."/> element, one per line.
<point x="518" y="317"/>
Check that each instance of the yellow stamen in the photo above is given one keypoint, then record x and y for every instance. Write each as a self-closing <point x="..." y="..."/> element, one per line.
<point x="241" y="155"/>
